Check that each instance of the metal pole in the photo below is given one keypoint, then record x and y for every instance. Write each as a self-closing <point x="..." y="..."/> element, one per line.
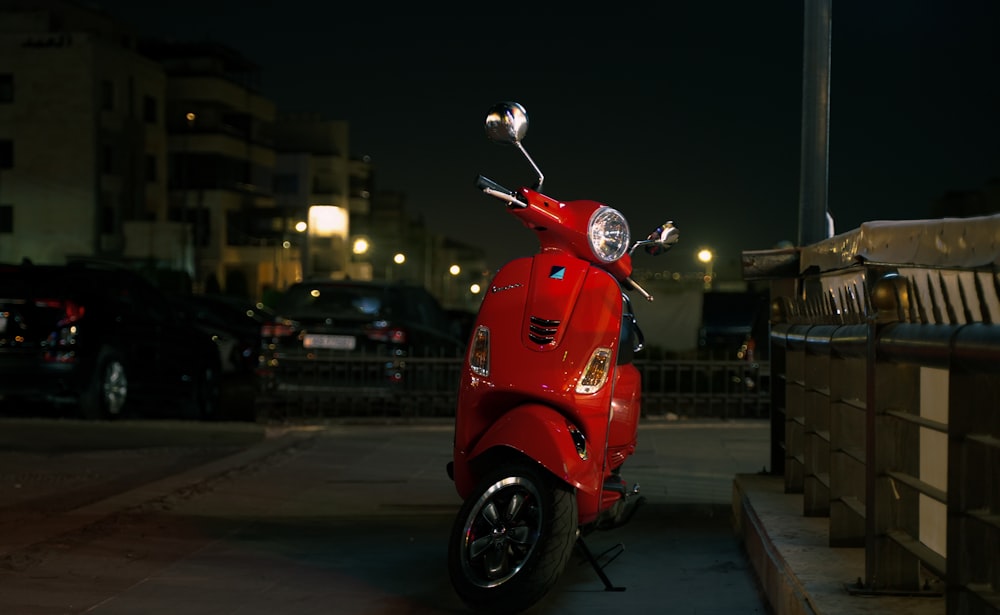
<point x="814" y="174"/>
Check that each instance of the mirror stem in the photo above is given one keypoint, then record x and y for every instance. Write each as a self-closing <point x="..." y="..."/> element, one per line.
<point x="541" y="178"/>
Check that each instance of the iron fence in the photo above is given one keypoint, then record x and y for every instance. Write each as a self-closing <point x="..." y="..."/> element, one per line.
<point x="357" y="387"/>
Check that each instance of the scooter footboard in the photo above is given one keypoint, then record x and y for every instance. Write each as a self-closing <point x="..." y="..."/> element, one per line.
<point x="545" y="435"/>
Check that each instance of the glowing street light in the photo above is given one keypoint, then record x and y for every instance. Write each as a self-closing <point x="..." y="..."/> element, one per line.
<point x="706" y="256"/>
<point x="399" y="258"/>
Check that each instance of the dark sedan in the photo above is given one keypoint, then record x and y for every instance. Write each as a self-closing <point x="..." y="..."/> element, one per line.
<point x="347" y="334"/>
<point x="103" y="340"/>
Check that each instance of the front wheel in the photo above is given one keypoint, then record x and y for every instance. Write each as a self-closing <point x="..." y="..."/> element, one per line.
<point x="511" y="539"/>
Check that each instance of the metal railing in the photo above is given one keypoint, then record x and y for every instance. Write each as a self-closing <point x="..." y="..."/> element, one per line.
<point x="885" y="420"/>
<point x="357" y="387"/>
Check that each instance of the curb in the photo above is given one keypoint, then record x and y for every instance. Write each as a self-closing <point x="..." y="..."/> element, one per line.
<point x="157" y="494"/>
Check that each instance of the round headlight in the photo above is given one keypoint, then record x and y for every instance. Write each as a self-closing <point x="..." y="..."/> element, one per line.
<point x="608" y="234"/>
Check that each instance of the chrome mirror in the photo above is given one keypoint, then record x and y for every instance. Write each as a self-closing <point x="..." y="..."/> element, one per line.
<point x="660" y="240"/>
<point x="506" y="122"/>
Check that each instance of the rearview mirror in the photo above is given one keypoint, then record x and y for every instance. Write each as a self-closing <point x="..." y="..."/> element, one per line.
<point x="506" y="122"/>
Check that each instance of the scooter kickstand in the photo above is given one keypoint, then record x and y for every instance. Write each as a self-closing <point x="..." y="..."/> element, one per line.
<point x="598" y="568"/>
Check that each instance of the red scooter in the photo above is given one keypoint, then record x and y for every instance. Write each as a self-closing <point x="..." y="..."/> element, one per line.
<point x="548" y="405"/>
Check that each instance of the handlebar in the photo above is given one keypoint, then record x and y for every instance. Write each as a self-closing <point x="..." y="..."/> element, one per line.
<point x="494" y="189"/>
<point x="635" y="286"/>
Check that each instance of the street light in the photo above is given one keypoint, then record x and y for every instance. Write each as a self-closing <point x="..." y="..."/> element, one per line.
<point x="360" y="246"/>
<point x="302" y="228"/>
<point x="399" y="258"/>
<point x="448" y="283"/>
<point x="706" y="256"/>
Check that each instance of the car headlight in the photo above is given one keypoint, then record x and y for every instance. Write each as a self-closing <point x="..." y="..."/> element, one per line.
<point x="608" y="234"/>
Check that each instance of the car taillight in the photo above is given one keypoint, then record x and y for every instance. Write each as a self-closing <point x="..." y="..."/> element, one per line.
<point x="74" y="311"/>
<point x="390" y="335"/>
<point x="61" y="342"/>
<point x="71" y="310"/>
<point x="282" y="328"/>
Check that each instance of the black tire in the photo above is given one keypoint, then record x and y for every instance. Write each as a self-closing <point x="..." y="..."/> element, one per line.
<point x="107" y="396"/>
<point x="511" y="539"/>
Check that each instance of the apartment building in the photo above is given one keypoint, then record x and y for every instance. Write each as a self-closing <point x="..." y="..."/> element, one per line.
<point x="313" y="192"/>
<point x="167" y="156"/>
<point x="83" y="149"/>
<point x="220" y="133"/>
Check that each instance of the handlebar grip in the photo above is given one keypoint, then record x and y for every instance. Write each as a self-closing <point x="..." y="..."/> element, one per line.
<point x="492" y="188"/>
<point x="485" y="182"/>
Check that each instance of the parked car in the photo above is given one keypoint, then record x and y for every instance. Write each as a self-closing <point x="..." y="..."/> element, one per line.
<point x="232" y="322"/>
<point x="102" y="339"/>
<point x="332" y="334"/>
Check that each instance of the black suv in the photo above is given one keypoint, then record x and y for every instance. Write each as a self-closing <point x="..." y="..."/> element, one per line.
<point x="353" y="335"/>
<point x="101" y="338"/>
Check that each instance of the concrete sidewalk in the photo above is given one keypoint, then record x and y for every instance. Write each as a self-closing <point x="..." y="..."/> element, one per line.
<point x="799" y="572"/>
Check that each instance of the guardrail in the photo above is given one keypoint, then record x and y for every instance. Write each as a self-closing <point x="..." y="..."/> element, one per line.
<point x="357" y="387"/>
<point x="885" y="419"/>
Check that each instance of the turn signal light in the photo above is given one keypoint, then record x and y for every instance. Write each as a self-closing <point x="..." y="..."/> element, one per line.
<point x="595" y="374"/>
<point x="479" y="352"/>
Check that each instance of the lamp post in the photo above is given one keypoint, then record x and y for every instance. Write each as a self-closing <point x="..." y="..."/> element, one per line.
<point x="706" y="256"/>
<point x="399" y="258"/>
<point x="360" y="265"/>
<point x="302" y="228"/>
<point x="473" y="297"/>
<point x="450" y="281"/>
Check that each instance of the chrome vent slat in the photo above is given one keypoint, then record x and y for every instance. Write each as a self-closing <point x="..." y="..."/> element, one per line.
<point x="542" y="330"/>
<point x="544" y="322"/>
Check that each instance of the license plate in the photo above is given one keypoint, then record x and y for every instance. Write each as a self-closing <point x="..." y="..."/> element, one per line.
<point x="334" y="342"/>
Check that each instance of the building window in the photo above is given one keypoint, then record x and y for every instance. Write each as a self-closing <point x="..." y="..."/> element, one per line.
<point x="6" y="154"/>
<point x="286" y="183"/>
<point x="109" y="159"/>
<point x="150" y="168"/>
<point x="6" y="88"/>
<point x="149" y="110"/>
<point x="107" y="212"/>
<point x="107" y="220"/>
<point x="6" y="218"/>
<point x="107" y="95"/>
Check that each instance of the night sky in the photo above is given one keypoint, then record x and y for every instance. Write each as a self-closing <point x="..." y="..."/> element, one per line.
<point x="689" y="111"/>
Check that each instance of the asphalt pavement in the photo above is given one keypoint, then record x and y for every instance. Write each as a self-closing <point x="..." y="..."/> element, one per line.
<point x="718" y="535"/>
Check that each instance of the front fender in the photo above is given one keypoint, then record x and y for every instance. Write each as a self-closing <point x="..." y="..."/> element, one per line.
<point x="543" y="434"/>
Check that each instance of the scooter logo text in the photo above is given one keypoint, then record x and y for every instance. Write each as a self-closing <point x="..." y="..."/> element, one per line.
<point x="497" y="289"/>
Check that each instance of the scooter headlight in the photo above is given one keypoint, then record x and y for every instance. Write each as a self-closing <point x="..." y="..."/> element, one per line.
<point x="608" y="234"/>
